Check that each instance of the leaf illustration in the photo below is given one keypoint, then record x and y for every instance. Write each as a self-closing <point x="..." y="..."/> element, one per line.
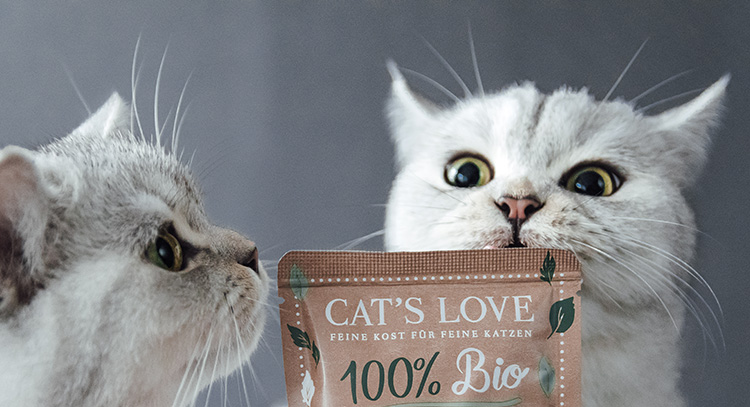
<point x="315" y="353"/>
<point x="298" y="282"/>
<point x="548" y="268"/>
<point x="308" y="388"/>
<point x="561" y="316"/>
<point x="546" y="376"/>
<point x="299" y="337"/>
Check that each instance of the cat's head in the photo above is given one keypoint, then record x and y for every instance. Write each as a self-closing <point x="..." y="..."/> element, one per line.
<point x="559" y="170"/>
<point x="106" y="250"/>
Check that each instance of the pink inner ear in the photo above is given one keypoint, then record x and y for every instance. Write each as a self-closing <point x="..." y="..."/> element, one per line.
<point x="18" y="185"/>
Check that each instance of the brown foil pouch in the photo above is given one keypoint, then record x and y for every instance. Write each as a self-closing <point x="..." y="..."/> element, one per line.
<point x="484" y="328"/>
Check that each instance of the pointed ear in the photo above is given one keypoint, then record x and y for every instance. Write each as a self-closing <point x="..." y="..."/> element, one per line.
<point x="113" y="115"/>
<point x="23" y="221"/>
<point x="687" y="129"/>
<point x="408" y="113"/>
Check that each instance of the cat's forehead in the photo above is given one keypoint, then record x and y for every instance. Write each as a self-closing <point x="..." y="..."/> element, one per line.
<point x="123" y="166"/>
<point x="524" y="127"/>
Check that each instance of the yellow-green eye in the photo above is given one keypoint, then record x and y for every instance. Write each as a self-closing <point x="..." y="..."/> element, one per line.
<point x="593" y="180"/>
<point x="165" y="251"/>
<point x="468" y="171"/>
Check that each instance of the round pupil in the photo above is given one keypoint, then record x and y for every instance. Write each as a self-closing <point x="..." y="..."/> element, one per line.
<point x="166" y="254"/>
<point x="468" y="174"/>
<point x="590" y="183"/>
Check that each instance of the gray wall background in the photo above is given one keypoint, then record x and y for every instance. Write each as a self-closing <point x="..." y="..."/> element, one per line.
<point x="287" y="98"/>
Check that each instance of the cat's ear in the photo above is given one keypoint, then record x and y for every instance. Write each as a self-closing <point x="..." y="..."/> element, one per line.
<point x="23" y="222"/>
<point x="408" y="113"/>
<point x="687" y="129"/>
<point x="112" y="118"/>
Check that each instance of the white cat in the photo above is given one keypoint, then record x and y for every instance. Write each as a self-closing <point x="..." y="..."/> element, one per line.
<point x="115" y="288"/>
<point x="521" y="168"/>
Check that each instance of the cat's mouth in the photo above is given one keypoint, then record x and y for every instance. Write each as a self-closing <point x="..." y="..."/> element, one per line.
<point x="505" y="245"/>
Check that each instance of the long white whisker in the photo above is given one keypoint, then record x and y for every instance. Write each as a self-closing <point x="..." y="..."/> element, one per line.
<point x="601" y="281"/>
<point x="665" y="222"/>
<point x="683" y="296"/>
<point x="624" y="71"/>
<point x="669" y="99"/>
<point x="188" y="369"/>
<point x="175" y="134"/>
<point x="680" y="263"/>
<point x="213" y="371"/>
<point x="356" y="242"/>
<point x="182" y="119"/>
<point x="433" y="82"/>
<point x="648" y="285"/>
<point x="240" y="346"/>
<point x="658" y="85"/>
<point x="156" y="97"/>
<point x="474" y="61"/>
<point x="203" y="363"/>
<point x="133" y="88"/>
<point x="450" y="69"/>
<point x="195" y="370"/>
<point x="75" y="87"/>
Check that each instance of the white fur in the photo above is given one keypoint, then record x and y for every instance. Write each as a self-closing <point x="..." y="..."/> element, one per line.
<point x="633" y="245"/>
<point x="104" y="326"/>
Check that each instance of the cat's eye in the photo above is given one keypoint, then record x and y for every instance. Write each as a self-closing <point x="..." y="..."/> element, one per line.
<point x="593" y="180"/>
<point x="166" y="252"/>
<point x="468" y="171"/>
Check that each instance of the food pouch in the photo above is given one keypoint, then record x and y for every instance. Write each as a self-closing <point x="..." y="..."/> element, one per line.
<point x="484" y="328"/>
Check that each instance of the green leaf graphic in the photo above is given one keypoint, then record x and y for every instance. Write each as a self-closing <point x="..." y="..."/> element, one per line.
<point x="561" y="316"/>
<point x="298" y="282"/>
<point x="548" y="268"/>
<point x="315" y="353"/>
<point x="546" y="376"/>
<point x="299" y="337"/>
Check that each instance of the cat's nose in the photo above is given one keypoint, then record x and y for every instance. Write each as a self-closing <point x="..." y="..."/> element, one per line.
<point x="518" y="209"/>
<point x="249" y="258"/>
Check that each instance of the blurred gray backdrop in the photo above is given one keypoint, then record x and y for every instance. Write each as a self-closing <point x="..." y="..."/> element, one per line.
<point x="286" y="101"/>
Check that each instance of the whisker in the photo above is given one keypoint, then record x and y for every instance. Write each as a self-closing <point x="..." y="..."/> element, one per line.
<point x="450" y="69"/>
<point x="684" y="297"/>
<point x="438" y="189"/>
<point x="240" y="346"/>
<point x="356" y="242"/>
<point x="669" y="99"/>
<point x="474" y="61"/>
<point x="658" y="85"/>
<point x="75" y="88"/>
<point x="156" y="97"/>
<point x="648" y="285"/>
<point x="182" y="120"/>
<point x="682" y="264"/>
<point x="188" y="369"/>
<point x="213" y="371"/>
<point x="666" y="222"/>
<point x="624" y="71"/>
<point x="133" y="88"/>
<point x="203" y="363"/>
<point x="177" y="118"/>
<point x="433" y="82"/>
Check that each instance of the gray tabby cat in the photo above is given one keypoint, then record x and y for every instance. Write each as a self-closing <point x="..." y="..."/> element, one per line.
<point x="562" y="170"/>
<point x="115" y="290"/>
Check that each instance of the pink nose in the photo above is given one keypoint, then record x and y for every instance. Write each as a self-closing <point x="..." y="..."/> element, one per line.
<point x="520" y="209"/>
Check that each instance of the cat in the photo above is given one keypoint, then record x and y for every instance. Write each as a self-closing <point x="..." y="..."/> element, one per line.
<point x="116" y="290"/>
<point x="519" y="168"/>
